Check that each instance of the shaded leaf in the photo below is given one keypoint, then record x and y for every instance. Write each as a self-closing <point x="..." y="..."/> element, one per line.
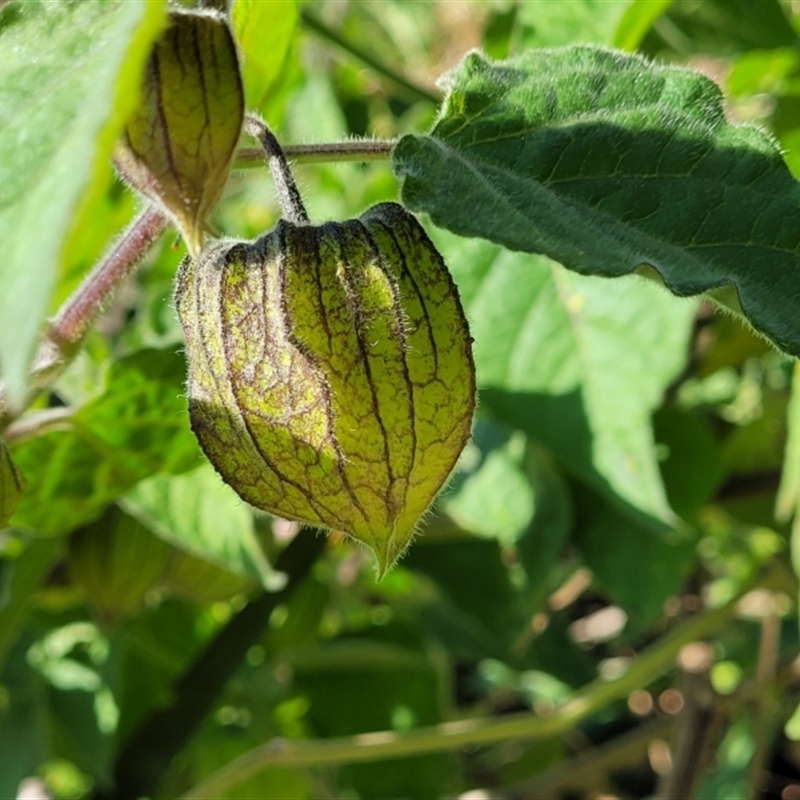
<point x="115" y="560"/>
<point x="180" y="142"/>
<point x="540" y="546"/>
<point x="198" y="513"/>
<point x="11" y="485"/>
<point x="198" y="580"/>
<point x="20" y="577"/>
<point x="638" y="568"/>
<point x="468" y="571"/>
<point x="25" y="733"/>
<point x="606" y="162"/>
<point x="725" y="27"/>
<point x="356" y="685"/>
<point x="692" y="465"/>
<point x="69" y="74"/>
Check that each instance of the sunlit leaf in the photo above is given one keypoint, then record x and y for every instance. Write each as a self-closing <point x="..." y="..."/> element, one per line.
<point x="137" y="427"/>
<point x="578" y="363"/>
<point x="69" y="74"/>
<point x="264" y="32"/>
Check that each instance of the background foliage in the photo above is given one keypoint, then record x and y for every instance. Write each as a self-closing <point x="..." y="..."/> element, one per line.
<point x="604" y="597"/>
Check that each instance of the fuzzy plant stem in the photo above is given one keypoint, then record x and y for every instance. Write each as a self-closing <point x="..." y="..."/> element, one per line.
<point x="289" y="197"/>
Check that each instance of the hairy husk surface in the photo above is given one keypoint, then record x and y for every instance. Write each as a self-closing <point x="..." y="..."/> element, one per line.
<point x="331" y="378"/>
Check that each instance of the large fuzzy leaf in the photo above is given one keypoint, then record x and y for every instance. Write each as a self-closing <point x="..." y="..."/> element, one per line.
<point x="606" y="162"/>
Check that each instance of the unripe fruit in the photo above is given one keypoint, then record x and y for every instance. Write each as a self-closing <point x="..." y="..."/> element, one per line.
<point x="331" y="378"/>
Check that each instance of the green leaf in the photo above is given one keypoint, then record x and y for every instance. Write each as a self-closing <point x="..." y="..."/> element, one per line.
<point x="356" y="685"/>
<point x="11" y="485"/>
<point x="727" y="27"/>
<point x="789" y="492"/>
<point x="20" y="577"/>
<point x="556" y="24"/>
<point x="265" y="32"/>
<point x="576" y="362"/>
<point x="479" y="614"/>
<point x="540" y="546"/>
<point x="198" y="513"/>
<point x="637" y="20"/>
<point x="115" y="560"/>
<point x="25" y="732"/>
<point x="180" y="141"/>
<point x="691" y="463"/>
<point x="137" y="427"/>
<point x="606" y="162"/>
<point x="639" y="568"/>
<point x="69" y="73"/>
<point x="491" y="495"/>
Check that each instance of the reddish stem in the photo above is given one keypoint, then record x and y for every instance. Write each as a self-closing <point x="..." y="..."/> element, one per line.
<point x="77" y="314"/>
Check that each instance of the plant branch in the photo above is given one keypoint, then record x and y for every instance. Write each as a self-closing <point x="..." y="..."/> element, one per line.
<point x="362" y="150"/>
<point x="587" y="770"/>
<point x="317" y="26"/>
<point x="595" y="696"/>
<point x="63" y="337"/>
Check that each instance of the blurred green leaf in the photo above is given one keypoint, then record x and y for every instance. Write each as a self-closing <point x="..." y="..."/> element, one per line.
<point x="761" y="71"/>
<point x="578" y="363"/>
<point x="480" y="613"/>
<point x="25" y="737"/>
<point x="199" y="513"/>
<point x="359" y="684"/>
<point x="115" y="560"/>
<point x="577" y="21"/>
<point x="789" y="492"/>
<point x="264" y="32"/>
<point x="137" y="427"/>
<point x="606" y="162"/>
<point x="636" y="21"/>
<point x="20" y="577"/>
<point x="725" y="27"/>
<point x="491" y="495"/>
<point x="639" y="568"/>
<point x="70" y="73"/>
<point x="691" y="464"/>
<point x="113" y="209"/>
<point x="729" y="774"/>
<point x="540" y="546"/>
<point x="11" y="485"/>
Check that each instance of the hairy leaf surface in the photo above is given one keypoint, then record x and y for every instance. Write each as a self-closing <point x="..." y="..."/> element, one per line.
<point x="606" y="163"/>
